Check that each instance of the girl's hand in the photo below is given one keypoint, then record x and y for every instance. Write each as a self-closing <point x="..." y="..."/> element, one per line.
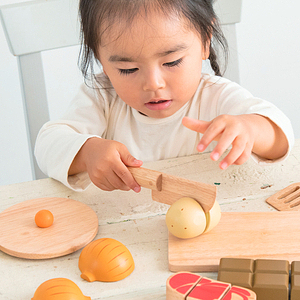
<point x="106" y="163"/>
<point x="246" y="134"/>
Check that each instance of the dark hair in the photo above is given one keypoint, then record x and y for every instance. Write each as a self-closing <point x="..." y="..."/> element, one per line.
<point x="95" y="14"/>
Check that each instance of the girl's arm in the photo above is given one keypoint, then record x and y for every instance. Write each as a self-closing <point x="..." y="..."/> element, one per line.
<point x="73" y="146"/>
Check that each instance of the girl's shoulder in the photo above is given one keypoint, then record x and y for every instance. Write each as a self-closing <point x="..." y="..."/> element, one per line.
<point x="216" y="81"/>
<point x="221" y="86"/>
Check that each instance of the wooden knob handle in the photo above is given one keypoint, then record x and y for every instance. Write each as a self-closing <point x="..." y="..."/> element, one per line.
<point x="147" y="178"/>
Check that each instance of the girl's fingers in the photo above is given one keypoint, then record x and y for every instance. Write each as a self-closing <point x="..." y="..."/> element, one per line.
<point x="239" y="153"/>
<point x="104" y="185"/>
<point x="213" y="133"/>
<point x="127" y="179"/>
<point x="227" y="138"/>
<point x="227" y="130"/>
<point x="195" y="125"/>
<point x="122" y="171"/>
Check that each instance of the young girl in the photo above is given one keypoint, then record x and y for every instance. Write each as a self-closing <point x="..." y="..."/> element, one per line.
<point x="152" y="101"/>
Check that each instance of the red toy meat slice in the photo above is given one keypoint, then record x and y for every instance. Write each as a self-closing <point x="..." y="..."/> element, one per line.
<point x="180" y="284"/>
<point x="237" y="293"/>
<point x="189" y="286"/>
<point x="208" y="289"/>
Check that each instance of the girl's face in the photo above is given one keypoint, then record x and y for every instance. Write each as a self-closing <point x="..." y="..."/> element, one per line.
<point x="154" y="66"/>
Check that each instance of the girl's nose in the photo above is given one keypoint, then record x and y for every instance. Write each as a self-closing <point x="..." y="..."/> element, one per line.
<point x="153" y="81"/>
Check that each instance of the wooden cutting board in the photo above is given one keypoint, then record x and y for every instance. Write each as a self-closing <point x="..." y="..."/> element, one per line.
<point x="75" y="225"/>
<point x="273" y="235"/>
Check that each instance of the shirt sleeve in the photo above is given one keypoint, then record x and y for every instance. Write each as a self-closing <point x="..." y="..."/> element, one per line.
<point x="58" y="142"/>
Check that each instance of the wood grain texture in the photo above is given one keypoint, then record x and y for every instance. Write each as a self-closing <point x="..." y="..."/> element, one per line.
<point x="174" y="188"/>
<point x="150" y="179"/>
<point x="168" y="188"/>
<point x="75" y="225"/>
<point x="273" y="235"/>
<point x="287" y="198"/>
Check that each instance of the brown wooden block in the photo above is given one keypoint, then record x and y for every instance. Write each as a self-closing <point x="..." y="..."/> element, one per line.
<point x="271" y="266"/>
<point x="295" y="268"/>
<point x="237" y="271"/>
<point x="295" y="287"/>
<point x="295" y="280"/>
<point x="271" y="286"/>
<point x="237" y="264"/>
<point x="242" y="279"/>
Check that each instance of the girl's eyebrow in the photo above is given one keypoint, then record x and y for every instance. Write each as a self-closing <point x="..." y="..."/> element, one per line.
<point x="177" y="48"/>
<point x="116" y="58"/>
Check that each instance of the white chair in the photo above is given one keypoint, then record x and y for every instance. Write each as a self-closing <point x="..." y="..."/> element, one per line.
<point x="36" y="26"/>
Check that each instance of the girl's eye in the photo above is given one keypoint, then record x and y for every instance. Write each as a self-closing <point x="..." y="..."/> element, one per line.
<point x="174" y="63"/>
<point x="127" y="71"/>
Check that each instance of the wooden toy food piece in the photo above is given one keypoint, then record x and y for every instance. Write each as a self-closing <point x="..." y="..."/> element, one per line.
<point x="186" y="219"/>
<point x="268" y="278"/>
<point x="179" y="285"/>
<point x="168" y="189"/>
<point x="287" y="198"/>
<point x="189" y="286"/>
<point x="237" y="271"/>
<point x="59" y="289"/>
<point x="295" y="280"/>
<point x="238" y="293"/>
<point x="44" y="218"/>
<point x="105" y="259"/>
<point x="208" y="289"/>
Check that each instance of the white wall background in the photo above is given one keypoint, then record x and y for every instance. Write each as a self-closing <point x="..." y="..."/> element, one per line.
<point x="268" y="46"/>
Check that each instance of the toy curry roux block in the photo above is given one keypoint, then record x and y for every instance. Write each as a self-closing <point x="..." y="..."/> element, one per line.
<point x="189" y="286"/>
<point x="268" y="278"/>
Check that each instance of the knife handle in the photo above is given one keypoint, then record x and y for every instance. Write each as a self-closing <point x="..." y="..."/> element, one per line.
<point x="147" y="178"/>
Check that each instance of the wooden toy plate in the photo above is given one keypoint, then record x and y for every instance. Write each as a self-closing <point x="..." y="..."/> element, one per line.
<point x="268" y="235"/>
<point x="75" y="225"/>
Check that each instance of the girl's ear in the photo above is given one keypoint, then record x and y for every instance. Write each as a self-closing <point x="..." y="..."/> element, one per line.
<point x="205" y="51"/>
<point x="205" y="54"/>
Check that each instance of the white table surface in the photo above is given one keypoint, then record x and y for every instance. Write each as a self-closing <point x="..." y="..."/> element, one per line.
<point x="139" y="223"/>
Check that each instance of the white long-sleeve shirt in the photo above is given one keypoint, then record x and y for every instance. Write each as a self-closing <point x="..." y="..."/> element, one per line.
<point x="99" y="112"/>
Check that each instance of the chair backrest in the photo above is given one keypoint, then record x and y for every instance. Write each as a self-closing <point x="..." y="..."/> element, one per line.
<point x="36" y="26"/>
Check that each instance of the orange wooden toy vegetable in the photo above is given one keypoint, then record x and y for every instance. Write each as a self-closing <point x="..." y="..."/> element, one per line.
<point x="105" y="260"/>
<point x="44" y="218"/>
<point x="59" y="289"/>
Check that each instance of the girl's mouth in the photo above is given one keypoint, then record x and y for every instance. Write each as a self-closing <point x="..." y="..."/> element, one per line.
<point x="158" y="104"/>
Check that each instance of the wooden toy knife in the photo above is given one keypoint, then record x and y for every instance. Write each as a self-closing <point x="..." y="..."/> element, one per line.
<point x="168" y="188"/>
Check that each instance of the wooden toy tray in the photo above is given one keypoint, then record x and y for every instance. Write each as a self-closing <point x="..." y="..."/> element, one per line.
<point x="273" y="235"/>
<point x="75" y="225"/>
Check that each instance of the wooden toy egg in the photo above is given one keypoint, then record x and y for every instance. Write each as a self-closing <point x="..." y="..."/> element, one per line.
<point x="105" y="259"/>
<point x="186" y="219"/>
<point x="59" y="289"/>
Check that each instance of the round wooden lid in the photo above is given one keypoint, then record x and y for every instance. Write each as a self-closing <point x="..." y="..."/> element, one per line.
<point x="75" y="225"/>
